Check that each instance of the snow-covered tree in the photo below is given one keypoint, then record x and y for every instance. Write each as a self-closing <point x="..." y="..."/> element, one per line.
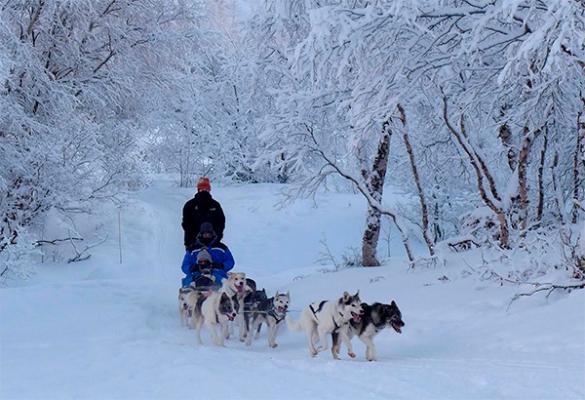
<point x="475" y="87"/>
<point x="79" y="80"/>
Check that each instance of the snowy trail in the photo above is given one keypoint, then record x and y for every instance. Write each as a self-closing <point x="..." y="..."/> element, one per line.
<point x="112" y="332"/>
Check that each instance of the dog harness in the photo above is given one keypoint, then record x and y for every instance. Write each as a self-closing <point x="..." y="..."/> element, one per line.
<point x="337" y="326"/>
<point x="272" y="313"/>
<point x="318" y="309"/>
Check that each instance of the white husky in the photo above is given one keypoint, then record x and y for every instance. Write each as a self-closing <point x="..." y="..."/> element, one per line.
<point x="320" y="319"/>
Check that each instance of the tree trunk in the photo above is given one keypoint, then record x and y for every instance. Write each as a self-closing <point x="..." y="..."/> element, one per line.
<point x="282" y="175"/>
<point x="370" y="238"/>
<point x="437" y="231"/>
<point x="525" y="148"/>
<point x="375" y="185"/>
<point x="505" y="135"/>
<point x="556" y="188"/>
<point x="579" y="153"/>
<point x="540" y="205"/>
<point x="421" y="195"/>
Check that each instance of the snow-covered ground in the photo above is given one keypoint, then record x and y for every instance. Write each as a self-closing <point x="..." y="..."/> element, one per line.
<point x="105" y="330"/>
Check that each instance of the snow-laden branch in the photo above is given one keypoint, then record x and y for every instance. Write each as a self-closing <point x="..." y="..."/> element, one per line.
<point x="362" y="188"/>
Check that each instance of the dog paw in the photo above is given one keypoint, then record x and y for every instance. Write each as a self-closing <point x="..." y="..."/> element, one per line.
<point x="371" y="358"/>
<point x="351" y="354"/>
<point x="313" y="353"/>
<point x="274" y="345"/>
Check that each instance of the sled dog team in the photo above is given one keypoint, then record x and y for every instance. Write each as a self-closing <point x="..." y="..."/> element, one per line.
<point x="212" y="296"/>
<point x="238" y="302"/>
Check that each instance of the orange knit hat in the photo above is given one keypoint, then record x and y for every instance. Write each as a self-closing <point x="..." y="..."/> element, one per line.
<point x="203" y="184"/>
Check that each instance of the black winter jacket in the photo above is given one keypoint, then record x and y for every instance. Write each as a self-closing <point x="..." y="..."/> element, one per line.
<point x="202" y="208"/>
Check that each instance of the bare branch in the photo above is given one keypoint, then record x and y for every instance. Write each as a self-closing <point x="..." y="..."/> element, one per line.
<point x="548" y="288"/>
<point x="56" y="241"/>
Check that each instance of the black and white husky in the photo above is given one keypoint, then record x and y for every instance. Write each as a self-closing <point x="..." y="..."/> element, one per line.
<point x="249" y="290"/>
<point x="376" y="317"/>
<point x="215" y="309"/>
<point x="325" y="317"/>
<point x="270" y="311"/>
<point x="252" y="302"/>
<point x="239" y="286"/>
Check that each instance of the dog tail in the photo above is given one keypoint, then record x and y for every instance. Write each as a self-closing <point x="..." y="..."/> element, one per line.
<point x="293" y="325"/>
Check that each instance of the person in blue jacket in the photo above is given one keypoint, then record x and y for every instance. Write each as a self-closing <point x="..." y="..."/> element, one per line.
<point x="209" y="254"/>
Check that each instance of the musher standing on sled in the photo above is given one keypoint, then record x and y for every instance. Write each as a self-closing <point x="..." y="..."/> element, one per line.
<point x="202" y="208"/>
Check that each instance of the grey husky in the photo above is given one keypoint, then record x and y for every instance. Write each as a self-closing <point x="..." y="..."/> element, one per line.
<point x="375" y="318"/>
<point x="270" y="311"/>
<point x="252" y="302"/>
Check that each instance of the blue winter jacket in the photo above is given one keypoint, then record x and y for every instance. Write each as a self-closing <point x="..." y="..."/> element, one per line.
<point x="220" y="254"/>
